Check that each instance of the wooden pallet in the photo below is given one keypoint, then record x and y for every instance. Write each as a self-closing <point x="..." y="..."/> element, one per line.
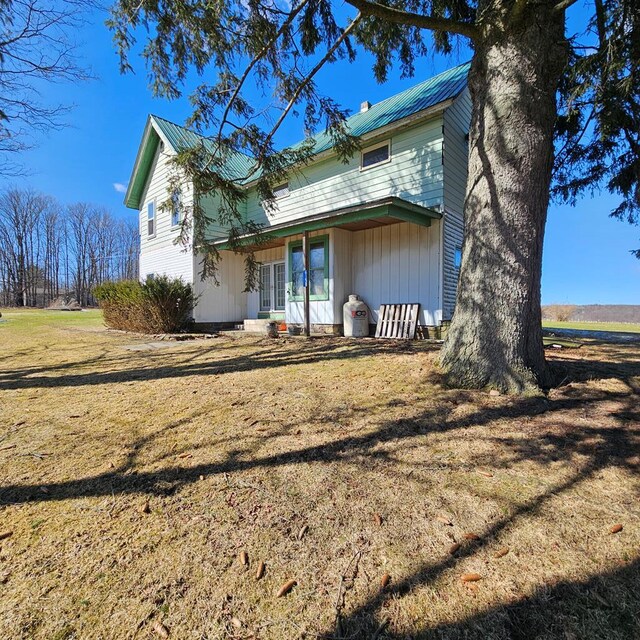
<point x="398" y="321"/>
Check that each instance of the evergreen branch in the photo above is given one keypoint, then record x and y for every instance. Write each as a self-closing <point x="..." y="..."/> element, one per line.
<point x="285" y="25"/>
<point x="434" y="23"/>
<point x="303" y="84"/>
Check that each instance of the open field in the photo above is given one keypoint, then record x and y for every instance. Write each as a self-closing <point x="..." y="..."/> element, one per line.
<point x="238" y="444"/>
<point x="625" y="327"/>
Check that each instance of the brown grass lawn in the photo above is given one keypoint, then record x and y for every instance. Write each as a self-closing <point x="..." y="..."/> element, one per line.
<point x="238" y="444"/>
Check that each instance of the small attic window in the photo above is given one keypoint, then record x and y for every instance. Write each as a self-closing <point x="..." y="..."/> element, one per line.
<point x="281" y="191"/>
<point x="376" y="155"/>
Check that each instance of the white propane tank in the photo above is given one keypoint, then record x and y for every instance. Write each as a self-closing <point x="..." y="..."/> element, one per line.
<point x="355" y="315"/>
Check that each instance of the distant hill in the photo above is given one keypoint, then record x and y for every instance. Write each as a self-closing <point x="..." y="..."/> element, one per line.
<point x="592" y="312"/>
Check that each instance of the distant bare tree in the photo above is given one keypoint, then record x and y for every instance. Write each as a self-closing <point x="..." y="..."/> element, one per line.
<point x="36" y="45"/>
<point x="47" y="251"/>
<point x="21" y="213"/>
<point x="559" y="312"/>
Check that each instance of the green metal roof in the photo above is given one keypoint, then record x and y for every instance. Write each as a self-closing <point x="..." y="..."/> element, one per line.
<point x="445" y="86"/>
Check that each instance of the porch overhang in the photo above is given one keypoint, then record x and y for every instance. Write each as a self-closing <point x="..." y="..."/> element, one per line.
<point x="366" y="215"/>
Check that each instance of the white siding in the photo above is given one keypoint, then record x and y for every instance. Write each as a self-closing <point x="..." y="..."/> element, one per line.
<point x="398" y="263"/>
<point x="456" y="126"/>
<point x="343" y="269"/>
<point x="414" y="173"/>
<point x="159" y="254"/>
<point x="225" y="302"/>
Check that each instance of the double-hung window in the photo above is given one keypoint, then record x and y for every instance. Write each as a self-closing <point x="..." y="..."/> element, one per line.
<point x="318" y="269"/>
<point x="151" y="219"/>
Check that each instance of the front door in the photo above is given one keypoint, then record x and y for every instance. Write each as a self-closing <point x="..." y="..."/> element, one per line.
<point x="272" y="287"/>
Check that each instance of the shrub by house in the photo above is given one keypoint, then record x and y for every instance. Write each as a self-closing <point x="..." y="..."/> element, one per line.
<point x="158" y="305"/>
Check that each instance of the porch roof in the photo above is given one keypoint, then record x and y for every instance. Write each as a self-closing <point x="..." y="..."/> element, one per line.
<point x="365" y="215"/>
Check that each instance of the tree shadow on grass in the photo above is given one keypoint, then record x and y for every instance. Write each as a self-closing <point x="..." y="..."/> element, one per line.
<point x="605" y="607"/>
<point x="615" y="445"/>
<point x="555" y="612"/>
<point x="264" y="355"/>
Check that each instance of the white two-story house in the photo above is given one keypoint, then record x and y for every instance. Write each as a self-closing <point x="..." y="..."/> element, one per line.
<point x="387" y="226"/>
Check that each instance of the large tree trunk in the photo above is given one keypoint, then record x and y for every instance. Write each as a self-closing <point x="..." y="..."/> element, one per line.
<point x="495" y="337"/>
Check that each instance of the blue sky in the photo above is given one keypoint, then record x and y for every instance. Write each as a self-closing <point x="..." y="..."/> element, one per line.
<point x="586" y="256"/>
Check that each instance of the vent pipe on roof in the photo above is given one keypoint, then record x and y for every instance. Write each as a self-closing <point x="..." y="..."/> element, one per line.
<point x="365" y="106"/>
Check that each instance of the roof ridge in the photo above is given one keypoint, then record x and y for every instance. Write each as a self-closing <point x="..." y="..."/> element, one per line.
<point x="415" y="86"/>
<point x="395" y="96"/>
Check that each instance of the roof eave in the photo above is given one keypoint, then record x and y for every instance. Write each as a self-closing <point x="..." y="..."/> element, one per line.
<point x="131" y="199"/>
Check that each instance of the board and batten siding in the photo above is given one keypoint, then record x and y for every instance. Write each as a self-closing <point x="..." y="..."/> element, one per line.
<point x="399" y="263"/>
<point x="226" y="301"/>
<point x="455" y="159"/>
<point x="414" y="173"/>
<point x="159" y="254"/>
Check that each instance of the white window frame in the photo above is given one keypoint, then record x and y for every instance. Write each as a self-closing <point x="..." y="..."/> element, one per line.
<point x="282" y="186"/>
<point x="273" y="295"/>
<point x="155" y="218"/>
<point x="373" y="147"/>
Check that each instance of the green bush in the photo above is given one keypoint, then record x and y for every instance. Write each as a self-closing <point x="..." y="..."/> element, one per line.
<point x="159" y="305"/>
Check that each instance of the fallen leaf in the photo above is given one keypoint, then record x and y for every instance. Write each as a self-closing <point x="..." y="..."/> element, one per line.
<point x="185" y="455"/>
<point x="484" y="472"/>
<point x="144" y="507"/>
<point x="302" y="531"/>
<point x="470" y="577"/>
<point x="260" y="571"/>
<point x="378" y="518"/>
<point x="444" y="520"/>
<point x="454" y="548"/>
<point x="471" y="536"/>
<point x="385" y="580"/>
<point x="285" y="588"/>
<point x="244" y="558"/>
<point x="500" y="553"/>
<point x="161" y="630"/>
<point x="616" y="528"/>
<point x="494" y="392"/>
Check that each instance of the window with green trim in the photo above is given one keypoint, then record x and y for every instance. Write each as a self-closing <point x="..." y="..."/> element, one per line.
<point x="318" y="269"/>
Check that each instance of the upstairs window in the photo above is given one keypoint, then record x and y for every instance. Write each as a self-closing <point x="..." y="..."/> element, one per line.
<point x="282" y="190"/>
<point x="375" y="155"/>
<point x="176" y="207"/>
<point x="151" y="219"/>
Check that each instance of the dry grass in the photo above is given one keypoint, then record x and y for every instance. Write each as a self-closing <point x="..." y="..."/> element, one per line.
<point x="239" y="443"/>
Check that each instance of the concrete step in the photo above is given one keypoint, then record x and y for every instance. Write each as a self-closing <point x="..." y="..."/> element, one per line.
<point x="256" y="325"/>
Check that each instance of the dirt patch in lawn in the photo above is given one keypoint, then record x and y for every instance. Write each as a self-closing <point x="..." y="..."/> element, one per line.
<point x="145" y="488"/>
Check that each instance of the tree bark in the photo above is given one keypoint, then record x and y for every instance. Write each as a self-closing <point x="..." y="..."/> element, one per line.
<point x="495" y="337"/>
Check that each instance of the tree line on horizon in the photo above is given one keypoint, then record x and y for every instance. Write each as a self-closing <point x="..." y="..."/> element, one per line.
<point x="49" y="250"/>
